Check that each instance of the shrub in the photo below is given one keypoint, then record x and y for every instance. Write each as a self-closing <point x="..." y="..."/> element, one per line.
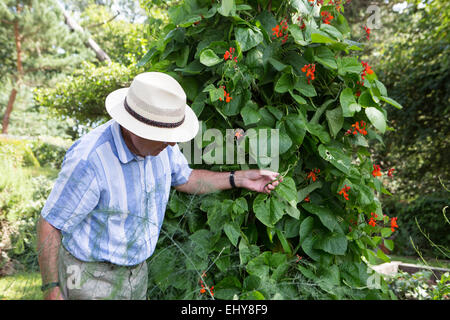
<point x="278" y="65"/>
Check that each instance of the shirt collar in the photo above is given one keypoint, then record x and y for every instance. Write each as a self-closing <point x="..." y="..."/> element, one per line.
<point x="123" y="152"/>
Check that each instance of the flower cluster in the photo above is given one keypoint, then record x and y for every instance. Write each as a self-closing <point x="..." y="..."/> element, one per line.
<point x="312" y="174"/>
<point x="337" y="3"/>
<point x="367" y="70"/>
<point x="376" y="172"/>
<point x="367" y="32"/>
<point x="280" y="30"/>
<point x="226" y="95"/>
<point x="394" y="224"/>
<point x="309" y="69"/>
<point x="300" y="20"/>
<point x="372" y="219"/>
<point x="203" y="289"/>
<point x="344" y="192"/>
<point x="326" y="17"/>
<point x="357" y="127"/>
<point x="390" y="171"/>
<point x="229" y="55"/>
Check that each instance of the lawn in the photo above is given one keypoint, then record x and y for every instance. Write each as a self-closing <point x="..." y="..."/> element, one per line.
<point x="21" y="286"/>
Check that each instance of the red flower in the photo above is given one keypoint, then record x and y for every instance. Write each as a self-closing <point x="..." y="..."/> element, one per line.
<point x="344" y="192"/>
<point x="326" y="17"/>
<point x="367" y="69"/>
<point x="312" y="174"/>
<point x="309" y="69"/>
<point x="229" y="54"/>
<point x="367" y="32"/>
<point x="394" y="224"/>
<point x="376" y="171"/>
<point x="372" y="222"/>
<point x="307" y="198"/>
<point x="359" y="127"/>
<point x="279" y="30"/>
<point x="390" y="172"/>
<point x="226" y="95"/>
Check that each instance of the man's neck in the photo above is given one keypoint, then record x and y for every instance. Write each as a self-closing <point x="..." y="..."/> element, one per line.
<point x="129" y="142"/>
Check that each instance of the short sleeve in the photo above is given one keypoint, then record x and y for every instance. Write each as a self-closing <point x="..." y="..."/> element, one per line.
<point x="179" y="166"/>
<point x="74" y="195"/>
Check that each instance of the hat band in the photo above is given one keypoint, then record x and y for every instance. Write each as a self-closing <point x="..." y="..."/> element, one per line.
<point x="158" y="124"/>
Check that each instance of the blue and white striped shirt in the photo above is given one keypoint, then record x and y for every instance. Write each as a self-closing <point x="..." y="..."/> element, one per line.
<point x="109" y="203"/>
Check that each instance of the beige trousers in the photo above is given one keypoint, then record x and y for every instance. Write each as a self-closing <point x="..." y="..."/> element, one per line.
<point x="81" y="280"/>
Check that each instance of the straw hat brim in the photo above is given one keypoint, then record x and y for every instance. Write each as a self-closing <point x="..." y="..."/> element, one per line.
<point x="186" y="131"/>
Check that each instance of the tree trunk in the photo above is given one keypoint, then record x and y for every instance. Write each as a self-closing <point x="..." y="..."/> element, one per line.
<point x="9" y="107"/>
<point x="101" y="55"/>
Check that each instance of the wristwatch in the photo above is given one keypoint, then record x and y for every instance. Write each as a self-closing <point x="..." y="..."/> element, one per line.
<point x="233" y="185"/>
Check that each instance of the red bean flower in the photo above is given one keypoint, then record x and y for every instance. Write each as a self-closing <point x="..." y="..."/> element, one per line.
<point x="326" y="17"/>
<point x="309" y="69"/>
<point x="394" y="224"/>
<point x="376" y="171"/>
<point x="367" y="32"/>
<point x="344" y="192"/>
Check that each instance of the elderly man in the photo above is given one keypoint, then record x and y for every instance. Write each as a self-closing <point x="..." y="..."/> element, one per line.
<point x="103" y="217"/>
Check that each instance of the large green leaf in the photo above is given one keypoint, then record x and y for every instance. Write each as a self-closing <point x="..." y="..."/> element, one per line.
<point x="250" y="113"/>
<point x="335" y="120"/>
<point x="248" y="38"/>
<point x="325" y="215"/>
<point x="306" y="227"/>
<point x="325" y="56"/>
<point x="288" y="191"/>
<point x="392" y="102"/>
<point x="268" y="211"/>
<point x="302" y="193"/>
<point x="334" y="243"/>
<point x="334" y="154"/>
<point x="285" y="83"/>
<point x="209" y="58"/>
<point x="348" y="103"/>
<point x="305" y="88"/>
<point x="227" y="7"/>
<point x="376" y="117"/>
<point x="233" y="232"/>
<point x="296" y="128"/>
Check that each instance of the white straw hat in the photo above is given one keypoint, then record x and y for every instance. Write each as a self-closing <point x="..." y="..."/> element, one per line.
<point x="154" y="108"/>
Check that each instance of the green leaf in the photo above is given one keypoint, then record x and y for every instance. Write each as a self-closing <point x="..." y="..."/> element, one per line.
<point x="389" y="244"/>
<point x="382" y="256"/>
<point x="227" y="7"/>
<point x="297" y="34"/>
<point x="335" y="120"/>
<point x="332" y="31"/>
<point x="233" y="232"/>
<point x="325" y="215"/>
<point x="392" y="102"/>
<point x="288" y="191"/>
<point x="318" y="131"/>
<point x="306" y="227"/>
<point x="348" y="65"/>
<point x="307" y="245"/>
<point x="304" y="88"/>
<point x="209" y="58"/>
<point x="348" y="103"/>
<point x="250" y="113"/>
<point x="307" y="190"/>
<point x="386" y="232"/>
<point x="334" y="243"/>
<point x="283" y="242"/>
<point x="248" y="38"/>
<point x="318" y="36"/>
<point x="285" y="83"/>
<point x="334" y="154"/>
<point x="376" y="117"/>
<point x="297" y="98"/>
<point x="295" y="127"/>
<point x="267" y="211"/>
<point x="325" y="56"/>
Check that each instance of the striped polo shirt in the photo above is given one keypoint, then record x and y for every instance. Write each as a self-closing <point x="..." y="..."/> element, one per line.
<point x="109" y="203"/>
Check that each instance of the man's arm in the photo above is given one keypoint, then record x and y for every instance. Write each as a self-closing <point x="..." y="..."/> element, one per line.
<point x="206" y="181"/>
<point x="48" y="243"/>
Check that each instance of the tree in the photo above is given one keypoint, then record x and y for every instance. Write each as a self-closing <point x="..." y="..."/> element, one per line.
<point x="43" y="46"/>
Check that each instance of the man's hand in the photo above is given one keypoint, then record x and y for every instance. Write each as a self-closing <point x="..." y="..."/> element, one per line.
<point x="53" y="294"/>
<point x="257" y="180"/>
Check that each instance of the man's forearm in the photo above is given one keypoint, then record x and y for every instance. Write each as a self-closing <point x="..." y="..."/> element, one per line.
<point x="48" y="243"/>
<point x="206" y="181"/>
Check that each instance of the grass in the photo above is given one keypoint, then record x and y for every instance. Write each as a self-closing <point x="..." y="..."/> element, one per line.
<point x="21" y="286"/>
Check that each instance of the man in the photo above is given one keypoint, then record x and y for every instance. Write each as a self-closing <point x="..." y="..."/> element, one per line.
<point x="109" y="200"/>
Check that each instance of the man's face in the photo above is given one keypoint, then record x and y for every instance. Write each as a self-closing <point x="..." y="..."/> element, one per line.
<point x="144" y="147"/>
